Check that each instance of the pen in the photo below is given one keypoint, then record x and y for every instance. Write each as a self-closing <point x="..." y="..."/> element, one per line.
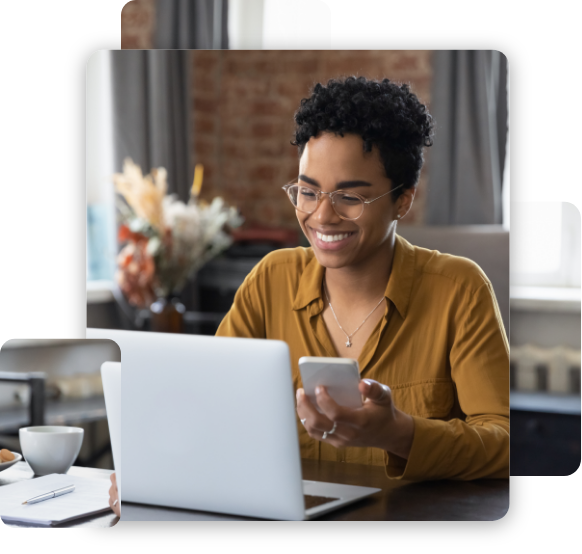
<point x="52" y="494"/>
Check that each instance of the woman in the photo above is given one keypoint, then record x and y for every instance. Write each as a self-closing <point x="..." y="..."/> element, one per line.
<point x="424" y="326"/>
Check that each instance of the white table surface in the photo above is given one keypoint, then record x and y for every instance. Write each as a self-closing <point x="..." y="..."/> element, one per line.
<point x="21" y="471"/>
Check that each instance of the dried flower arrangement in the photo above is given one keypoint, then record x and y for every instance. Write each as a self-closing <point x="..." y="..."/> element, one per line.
<point x="167" y="241"/>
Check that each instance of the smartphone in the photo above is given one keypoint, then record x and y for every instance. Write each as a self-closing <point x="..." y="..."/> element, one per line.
<point x="340" y="376"/>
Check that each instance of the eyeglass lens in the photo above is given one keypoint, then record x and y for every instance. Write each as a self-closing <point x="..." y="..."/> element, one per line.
<point x="345" y="205"/>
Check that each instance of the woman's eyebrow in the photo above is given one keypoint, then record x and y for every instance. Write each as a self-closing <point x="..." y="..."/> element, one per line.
<point x="338" y="186"/>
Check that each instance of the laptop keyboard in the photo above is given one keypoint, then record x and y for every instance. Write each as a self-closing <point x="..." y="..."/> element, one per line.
<point x="312" y="501"/>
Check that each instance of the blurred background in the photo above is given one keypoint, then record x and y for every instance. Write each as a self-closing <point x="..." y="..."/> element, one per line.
<point x="56" y="382"/>
<point x="545" y="338"/>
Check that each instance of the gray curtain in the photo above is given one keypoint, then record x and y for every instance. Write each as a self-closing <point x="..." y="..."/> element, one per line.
<point x="469" y="105"/>
<point x="191" y="24"/>
<point x="151" y="99"/>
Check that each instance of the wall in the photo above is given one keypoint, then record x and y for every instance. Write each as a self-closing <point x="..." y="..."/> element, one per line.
<point x="242" y="118"/>
<point x="137" y="24"/>
<point x="545" y="329"/>
<point x="243" y="103"/>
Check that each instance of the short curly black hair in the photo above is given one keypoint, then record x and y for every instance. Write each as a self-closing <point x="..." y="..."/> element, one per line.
<point x="383" y="113"/>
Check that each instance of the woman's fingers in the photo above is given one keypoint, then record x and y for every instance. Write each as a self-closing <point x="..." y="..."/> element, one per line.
<point x="376" y="392"/>
<point x="314" y="422"/>
<point x="114" y="496"/>
<point x="304" y="407"/>
<point x="320" y="425"/>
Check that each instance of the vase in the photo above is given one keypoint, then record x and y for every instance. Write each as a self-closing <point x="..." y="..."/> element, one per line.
<point x="167" y="316"/>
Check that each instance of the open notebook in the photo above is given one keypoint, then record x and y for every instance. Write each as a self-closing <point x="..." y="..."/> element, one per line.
<point x="90" y="496"/>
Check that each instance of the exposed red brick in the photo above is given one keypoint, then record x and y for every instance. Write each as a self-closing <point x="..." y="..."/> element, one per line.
<point x="263" y="130"/>
<point x="129" y="42"/>
<point x="262" y="172"/>
<point x="269" y="148"/>
<point x="206" y="105"/>
<point x="406" y="62"/>
<point x="207" y="62"/>
<point x="204" y="148"/>
<point x="300" y="66"/>
<point x="137" y="24"/>
<point x="242" y="112"/>
<point x="205" y="124"/>
<point x="265" y="107"/>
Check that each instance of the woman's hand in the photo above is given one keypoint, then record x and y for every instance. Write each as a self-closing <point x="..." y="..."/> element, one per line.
<point x="376" y="424"/>
<point x="114" y="503"/>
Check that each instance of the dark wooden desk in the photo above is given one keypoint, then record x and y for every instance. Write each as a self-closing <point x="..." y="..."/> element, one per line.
<point x="483" y="500"/>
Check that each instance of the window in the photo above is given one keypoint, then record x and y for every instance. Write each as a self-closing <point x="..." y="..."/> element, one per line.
<point x="303" y="24"/>
<point x="545" y="244"/>
<point x="101" y="227"/>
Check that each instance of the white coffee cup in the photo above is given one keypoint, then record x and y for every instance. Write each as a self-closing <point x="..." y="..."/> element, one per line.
<point x="51" y="448"/>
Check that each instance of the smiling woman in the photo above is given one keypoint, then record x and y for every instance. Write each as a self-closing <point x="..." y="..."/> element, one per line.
<point x="424" y="326"/>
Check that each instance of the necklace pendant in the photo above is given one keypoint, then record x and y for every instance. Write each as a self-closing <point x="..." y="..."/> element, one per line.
<point x="349" y="344"/>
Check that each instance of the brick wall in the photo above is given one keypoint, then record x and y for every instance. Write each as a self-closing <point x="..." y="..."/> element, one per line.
<point x="137" y="24"/>
<point x="242" y="118"/>
<point x="242" y="112"/>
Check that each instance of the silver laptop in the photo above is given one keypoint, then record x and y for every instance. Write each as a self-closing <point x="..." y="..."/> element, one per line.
<point x="209" y="424"/>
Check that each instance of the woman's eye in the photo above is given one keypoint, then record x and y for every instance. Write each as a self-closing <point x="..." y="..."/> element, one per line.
<point x="347" y="198"/>
<point x="307" y="193"/>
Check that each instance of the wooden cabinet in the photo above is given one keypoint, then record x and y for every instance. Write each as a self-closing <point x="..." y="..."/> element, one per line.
<point x="545" y="434"/>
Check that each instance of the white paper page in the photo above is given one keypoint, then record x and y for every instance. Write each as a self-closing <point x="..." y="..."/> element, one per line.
<point x="90" y="496"/>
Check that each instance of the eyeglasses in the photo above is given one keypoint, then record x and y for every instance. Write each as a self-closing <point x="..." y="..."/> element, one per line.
<point x="348" y="205"/>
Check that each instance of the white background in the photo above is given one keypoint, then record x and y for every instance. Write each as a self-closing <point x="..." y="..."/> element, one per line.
<point x="518" y="18"/>
<point x="307" y="24"/>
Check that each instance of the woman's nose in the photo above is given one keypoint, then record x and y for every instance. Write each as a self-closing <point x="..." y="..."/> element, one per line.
<point x="325" y="212"/>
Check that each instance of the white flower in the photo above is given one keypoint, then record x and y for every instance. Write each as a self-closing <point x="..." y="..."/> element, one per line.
<point x="154" y="245"/>
<point x="183" y="219"/>
<point x="234" y="218"/>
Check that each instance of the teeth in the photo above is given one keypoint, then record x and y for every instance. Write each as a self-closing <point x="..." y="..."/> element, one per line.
<point x="332" y="238"/>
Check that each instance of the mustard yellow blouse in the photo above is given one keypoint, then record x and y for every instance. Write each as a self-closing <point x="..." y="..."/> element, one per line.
<point x="441" y="347"/>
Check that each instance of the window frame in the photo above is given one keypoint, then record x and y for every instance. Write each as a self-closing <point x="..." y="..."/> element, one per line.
<point x="568" y="273"/>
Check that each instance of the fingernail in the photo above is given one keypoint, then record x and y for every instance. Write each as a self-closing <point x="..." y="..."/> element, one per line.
<point x="318" y="390"/>
<point x="367" y="381"/>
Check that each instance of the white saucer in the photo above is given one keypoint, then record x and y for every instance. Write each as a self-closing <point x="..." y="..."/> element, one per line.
<point x="6" y="465"/>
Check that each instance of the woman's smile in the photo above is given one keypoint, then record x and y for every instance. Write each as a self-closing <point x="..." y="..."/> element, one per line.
<point x="331" y="240"/>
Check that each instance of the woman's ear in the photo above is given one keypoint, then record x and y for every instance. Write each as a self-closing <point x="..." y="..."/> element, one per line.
<point x="406" y="200"/>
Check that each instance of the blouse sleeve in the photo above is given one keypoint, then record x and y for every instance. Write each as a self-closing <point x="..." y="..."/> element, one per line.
<point x="245" y="318"/>
<point x="477" y="447"/>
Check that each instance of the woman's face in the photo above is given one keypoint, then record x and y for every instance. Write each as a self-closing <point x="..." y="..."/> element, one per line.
<point x="329" y="163"/>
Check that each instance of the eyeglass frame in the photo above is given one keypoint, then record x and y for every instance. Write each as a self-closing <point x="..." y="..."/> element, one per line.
<point x="331" y="194"/>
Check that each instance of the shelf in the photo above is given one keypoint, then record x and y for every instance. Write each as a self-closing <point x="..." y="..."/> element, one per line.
<point x="545" y="299"/>
<point x="99" y="292"/>
<point x="65" y="412"/>
<point x="545" y="402"/>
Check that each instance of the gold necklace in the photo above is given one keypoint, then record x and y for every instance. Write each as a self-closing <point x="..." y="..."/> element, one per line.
<point x="349" y="337"/>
